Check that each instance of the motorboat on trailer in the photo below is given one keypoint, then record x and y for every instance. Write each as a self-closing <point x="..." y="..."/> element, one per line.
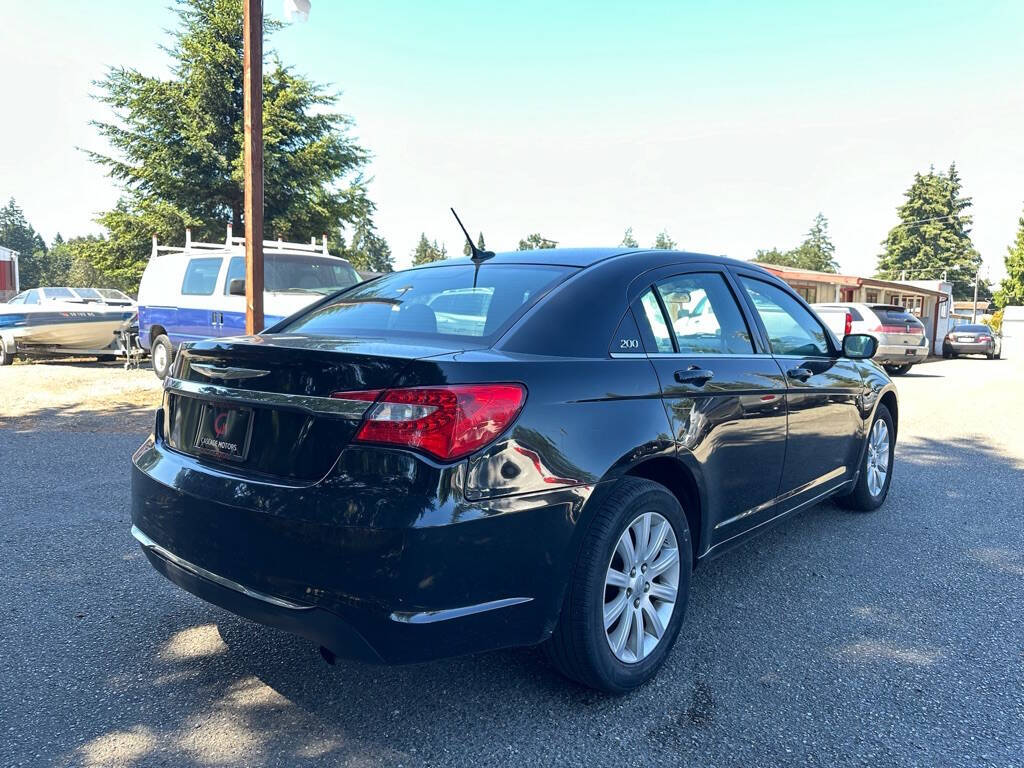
<point x="64" y="321"/>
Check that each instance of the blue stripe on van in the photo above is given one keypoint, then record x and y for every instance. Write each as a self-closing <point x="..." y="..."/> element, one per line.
<point x="183" y="324"/>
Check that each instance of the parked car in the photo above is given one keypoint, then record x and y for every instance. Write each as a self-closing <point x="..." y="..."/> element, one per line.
<point x="973" y="340"/>
<point x="902" y="341"/>
<point x="198" y="291"/>
<point x="523" y="448"/>
<point x="60" y="321"/>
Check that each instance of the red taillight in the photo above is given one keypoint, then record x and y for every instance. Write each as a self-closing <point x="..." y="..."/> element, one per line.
<point x="446" y="422"/>
<point x="849" y="324"/>
<point x="984" y="338"/>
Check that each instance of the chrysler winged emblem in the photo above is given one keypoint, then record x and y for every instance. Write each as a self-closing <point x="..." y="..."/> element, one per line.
<point x="227" y="372"/>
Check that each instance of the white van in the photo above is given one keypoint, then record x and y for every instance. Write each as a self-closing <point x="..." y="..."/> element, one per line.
<point x="198" y="291"/>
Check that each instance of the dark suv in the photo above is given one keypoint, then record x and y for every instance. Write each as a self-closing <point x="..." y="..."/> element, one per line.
<point x="532" y="447"/>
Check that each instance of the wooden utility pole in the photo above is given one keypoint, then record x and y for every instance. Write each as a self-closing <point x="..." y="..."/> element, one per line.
<point x="252" y="77"/>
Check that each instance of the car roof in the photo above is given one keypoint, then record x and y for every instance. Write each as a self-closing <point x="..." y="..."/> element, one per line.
<point x="585" y="257"/>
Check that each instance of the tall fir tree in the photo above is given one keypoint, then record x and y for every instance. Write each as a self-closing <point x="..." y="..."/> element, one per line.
<point x="664" y="241"/>
<point x="628" y="241"/>
<point x="933" y="236"/>
<point x="816" y="252"/>
<point x="18" y="235"/>
<point x="535" y="242"/>
<point x="1011" y="289"/>
<point x="428" y="251"/>
<point x="368" y="250"/>
<point x="177" y="144"/>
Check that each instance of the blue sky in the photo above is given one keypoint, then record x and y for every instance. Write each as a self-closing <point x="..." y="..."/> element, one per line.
<point x="729" y="124"/>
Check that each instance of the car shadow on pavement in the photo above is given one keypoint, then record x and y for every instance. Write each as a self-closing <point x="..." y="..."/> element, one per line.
<point x="835" y="636"/>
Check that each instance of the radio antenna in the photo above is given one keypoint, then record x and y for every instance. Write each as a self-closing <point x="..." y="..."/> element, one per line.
<point x="477" y="255"/>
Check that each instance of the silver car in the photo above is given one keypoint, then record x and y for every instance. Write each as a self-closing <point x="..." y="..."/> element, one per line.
<point x="902" y="341"/>
<point x="975" y="339"/>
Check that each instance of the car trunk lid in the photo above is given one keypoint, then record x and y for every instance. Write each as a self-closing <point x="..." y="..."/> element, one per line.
<point x="262" y="405"/>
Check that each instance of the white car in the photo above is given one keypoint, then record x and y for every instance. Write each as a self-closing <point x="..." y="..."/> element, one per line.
<point x="198" y="291"/>
<point x="902" y="341"/>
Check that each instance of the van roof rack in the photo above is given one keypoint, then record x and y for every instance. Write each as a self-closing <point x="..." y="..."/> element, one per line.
<point x="234" y="244"/>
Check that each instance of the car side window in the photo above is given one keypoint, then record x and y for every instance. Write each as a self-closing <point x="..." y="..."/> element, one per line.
<point x="236" y="271"/>
<point x="704" y="315"/>
<point x="201" y="277"/>
<point x="792" y="330"/>
<point x="32" y="297"/>
<point x="656" y="321"/>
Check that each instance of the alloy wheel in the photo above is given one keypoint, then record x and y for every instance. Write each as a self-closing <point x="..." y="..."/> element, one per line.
<point x="640" y="587"/>
<point x="878" y="457"/>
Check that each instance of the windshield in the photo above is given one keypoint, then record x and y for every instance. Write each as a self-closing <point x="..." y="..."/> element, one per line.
<point x="445" y="301"/>
<point x="297" y="274"/>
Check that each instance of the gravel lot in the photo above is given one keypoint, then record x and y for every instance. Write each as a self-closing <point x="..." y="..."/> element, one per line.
<point x="837" y="639"/>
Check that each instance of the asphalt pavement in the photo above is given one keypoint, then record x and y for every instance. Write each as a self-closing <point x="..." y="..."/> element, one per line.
<point x="836" y="639"/>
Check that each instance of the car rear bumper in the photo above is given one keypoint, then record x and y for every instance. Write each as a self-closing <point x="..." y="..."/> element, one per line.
<point x="900" y="354"/>
<point x="969" y="348"/>
<point x="429" y="578"/>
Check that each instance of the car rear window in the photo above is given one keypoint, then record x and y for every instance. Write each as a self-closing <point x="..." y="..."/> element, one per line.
<point x="297" y="274"/>
<point x="453" y="302"/>
<point x="974" y="328"/>
<point x="895" y="315"/>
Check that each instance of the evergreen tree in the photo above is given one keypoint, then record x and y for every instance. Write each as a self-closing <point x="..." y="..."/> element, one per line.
<point x="1011" y="289"/>
<point x="178" y="143"/>
<point x="816" y="252"/>
<point x="427" y="251"/>
<point x="535" y="242"/>
<point x="628" y="241"/>
<point x="933" y="236"/>
<point x="664" y="241"/>
<point x="369" y="251"/>
<point x="18" y="235"/>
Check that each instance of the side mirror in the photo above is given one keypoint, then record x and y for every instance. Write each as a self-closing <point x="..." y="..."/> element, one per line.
<point x="237" y="287"/>
<point x="859" y="346"/>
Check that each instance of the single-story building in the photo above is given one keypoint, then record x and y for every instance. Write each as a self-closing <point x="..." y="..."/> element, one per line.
<point x="8" y="273"/>
<point x="928" y="300"/>
<point x="984" y="307"/>
<point x="1013" y="332"/>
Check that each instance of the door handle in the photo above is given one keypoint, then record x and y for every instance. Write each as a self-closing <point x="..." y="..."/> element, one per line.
<point x="800" y="374"/>
<point x="694" y="375"/>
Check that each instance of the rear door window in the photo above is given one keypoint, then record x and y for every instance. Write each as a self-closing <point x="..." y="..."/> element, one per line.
<point x="201" y="277"/>
<point x="704" y="316"/>
<point x="444" y="302"/>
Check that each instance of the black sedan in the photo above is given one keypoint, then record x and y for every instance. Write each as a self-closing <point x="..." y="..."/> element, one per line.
<point x="975" y="339"/>
<point x="522" y="448"/>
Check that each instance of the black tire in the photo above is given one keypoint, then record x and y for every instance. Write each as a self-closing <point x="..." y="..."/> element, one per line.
<point x="999" y="355"/>
<point x="946" y="353"/>
<point x="861" y="498"/>
<point x="6" y="358"/>
<point x="579" y="647"/>
<point x="990" y="356"/>
<point x="161" y="354"/>
<point x="897" y="370"/>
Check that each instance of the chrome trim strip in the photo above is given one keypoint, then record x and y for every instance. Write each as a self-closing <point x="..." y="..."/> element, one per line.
<point x="799" y="506"/>
<point x="196" y="570"/>
<point x="326" y="406"/>
<point x="227" y="372"/>
<point x="690" y="355"/>
<point x="430" y="617"/>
